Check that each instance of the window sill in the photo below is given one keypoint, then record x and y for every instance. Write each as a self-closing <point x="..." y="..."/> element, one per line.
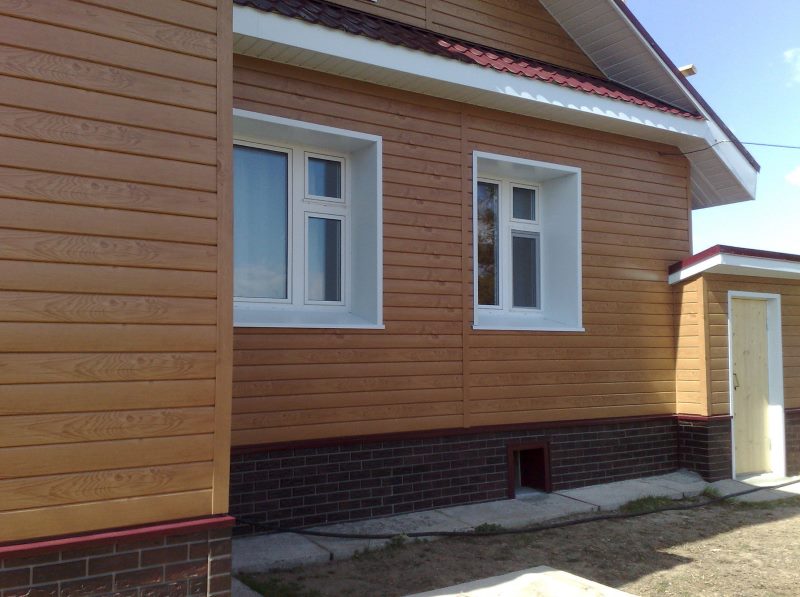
<point x="503" y="320"/>
<point x="260" y="315"/>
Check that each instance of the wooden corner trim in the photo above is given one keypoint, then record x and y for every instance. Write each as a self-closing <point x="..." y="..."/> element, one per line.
<point x="181" y="527"/>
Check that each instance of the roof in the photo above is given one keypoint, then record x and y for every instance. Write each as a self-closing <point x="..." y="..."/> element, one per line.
<point x="724" y="259"/>
<point x="686" y="84"/>
<point x="386" y="30"/>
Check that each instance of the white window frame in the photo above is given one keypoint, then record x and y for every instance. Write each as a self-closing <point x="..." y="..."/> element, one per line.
<point x="558" y="228"/>
<point x="362" y="246"/>
<point x="344" y="253"/>
<point x="331" y="158"/>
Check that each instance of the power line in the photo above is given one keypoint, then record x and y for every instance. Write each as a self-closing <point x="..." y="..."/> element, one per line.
<point x="775" y="145"/>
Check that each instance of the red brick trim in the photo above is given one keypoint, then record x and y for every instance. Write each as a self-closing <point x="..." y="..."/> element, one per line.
<point x="181" y="527"/>
<point x="411" y="435"/>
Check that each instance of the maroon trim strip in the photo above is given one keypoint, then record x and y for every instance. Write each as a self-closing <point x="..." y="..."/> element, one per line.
<point x="411" y="435"/>
<point x="180" y="527"/>
<point x="729" y="250"/>
<point x="703" y="418"/>
<point x="689" y="87"/>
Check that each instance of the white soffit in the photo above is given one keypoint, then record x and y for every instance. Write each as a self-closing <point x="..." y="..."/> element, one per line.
<point x="739" y="265"/>
<point x="600" y="28"/>
<point x="613" y="44"/>
<point x="719" y="175"/>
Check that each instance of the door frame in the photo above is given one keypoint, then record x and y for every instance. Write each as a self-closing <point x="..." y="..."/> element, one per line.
<point x="775" y="408"/>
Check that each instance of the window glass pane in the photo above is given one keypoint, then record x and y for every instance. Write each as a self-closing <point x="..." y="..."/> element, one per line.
<point x="525" y="266"/>
<point x="324" y="259"/>
<point x="524" y="204"/>
<point x="488" y="281"/>
<point x="324" y="178"/>
<point x="260" y="222"/>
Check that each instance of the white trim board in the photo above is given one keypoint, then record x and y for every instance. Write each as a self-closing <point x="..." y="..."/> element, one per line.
<point x="283" y="39"/>
<point x="741" y="265"/>
<point x="776" y="422"/>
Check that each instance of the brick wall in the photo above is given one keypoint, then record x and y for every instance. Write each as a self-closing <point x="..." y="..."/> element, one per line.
<point x="704" y="446"/>
<point x="349" y="481"/>
<point x="793" y="442"/>
<point x="176" y="565"/>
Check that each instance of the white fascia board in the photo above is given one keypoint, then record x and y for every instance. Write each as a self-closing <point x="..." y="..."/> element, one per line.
<point x="739" y="265"/>
<point x="695" y="269"/>
<point x="452" y="79"/>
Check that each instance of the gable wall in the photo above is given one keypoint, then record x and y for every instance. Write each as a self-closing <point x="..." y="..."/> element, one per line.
<point x="428" y="369"/>
<point x="114" y="384"/>
<point x="520" y="26"/>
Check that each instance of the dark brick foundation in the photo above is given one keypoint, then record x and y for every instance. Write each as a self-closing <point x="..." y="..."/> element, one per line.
<point x="704" y="446"/>
<point x="362" y="479"/>
<point x="166" y="565"/>
<point x="793" y="442"/>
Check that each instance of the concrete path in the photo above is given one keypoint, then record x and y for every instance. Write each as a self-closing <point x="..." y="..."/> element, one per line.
<point x="532" y="582"/>
<point x="729" y="486"/>
<point x="260" y="553"/>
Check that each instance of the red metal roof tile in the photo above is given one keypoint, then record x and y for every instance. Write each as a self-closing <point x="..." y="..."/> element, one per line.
<point x="358" y="23"/>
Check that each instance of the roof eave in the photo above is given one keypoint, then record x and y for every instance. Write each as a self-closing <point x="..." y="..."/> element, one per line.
<point x="637" y="60"/>
<point x="275" y="37"/>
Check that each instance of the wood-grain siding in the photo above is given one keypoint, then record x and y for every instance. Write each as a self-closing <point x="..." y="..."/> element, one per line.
<point x="428" y="369"/>
<point x="717" y="296"/>
<point x="692" y="379"/>
<point x="520" y="26"/>
<point x="111" y="181"/>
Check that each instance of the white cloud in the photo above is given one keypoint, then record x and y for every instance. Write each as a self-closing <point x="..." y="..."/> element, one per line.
<point x="792" y="58"/>
<point x="793" y="178"/>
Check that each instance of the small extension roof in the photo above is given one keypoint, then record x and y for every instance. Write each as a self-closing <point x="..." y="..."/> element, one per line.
<point x="723" y="259"/>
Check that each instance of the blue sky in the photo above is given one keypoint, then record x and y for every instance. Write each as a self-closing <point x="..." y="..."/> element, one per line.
<point x="747" y="55"/>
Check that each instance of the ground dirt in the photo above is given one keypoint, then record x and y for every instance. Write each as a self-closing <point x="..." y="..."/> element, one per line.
<point x="718" y="550"/>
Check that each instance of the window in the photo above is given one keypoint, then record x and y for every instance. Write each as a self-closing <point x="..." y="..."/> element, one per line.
<point x="526" y="244"/>
<point x="307" y="223"/>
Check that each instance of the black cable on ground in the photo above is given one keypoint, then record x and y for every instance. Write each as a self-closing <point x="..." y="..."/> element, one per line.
<point x="492" y="533"/>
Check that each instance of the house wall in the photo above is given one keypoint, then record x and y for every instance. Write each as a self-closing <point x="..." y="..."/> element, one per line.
<point x="520" y="26"/>
<point x="114" y="379"/>
<point x="428" y="369"/>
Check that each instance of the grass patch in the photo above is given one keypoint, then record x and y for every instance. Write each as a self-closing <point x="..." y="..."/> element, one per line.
<point x="646" y="504"/>
<point x="711" y="493"/>
<point x="488" y="527"/>
<point x="770" y="505"/>
<point x="274" y="587"/>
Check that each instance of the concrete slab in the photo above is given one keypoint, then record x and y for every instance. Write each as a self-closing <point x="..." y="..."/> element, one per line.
<point x="261" y="553"/>
<point x="729" y="486"/>
<point x="239" y="589"/>
<point x="688" y="483"/>
<point x="518" y="513"/>
<point x="611" y="496"/>
<point x="541" y="581"/>
<point x="414" y="522"/>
